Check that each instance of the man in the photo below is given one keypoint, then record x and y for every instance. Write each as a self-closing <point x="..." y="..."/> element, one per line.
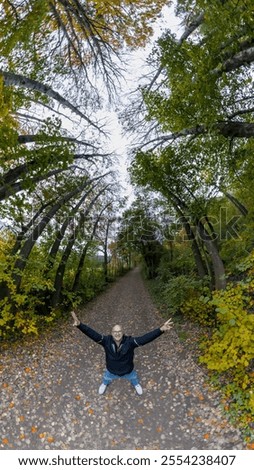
<point x="119" y="350"/>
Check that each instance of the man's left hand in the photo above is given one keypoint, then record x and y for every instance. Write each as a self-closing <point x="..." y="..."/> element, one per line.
<point x="167" y="325"/>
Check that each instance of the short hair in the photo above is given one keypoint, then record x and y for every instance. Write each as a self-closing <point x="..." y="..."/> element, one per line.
<point x="119" y="326"/>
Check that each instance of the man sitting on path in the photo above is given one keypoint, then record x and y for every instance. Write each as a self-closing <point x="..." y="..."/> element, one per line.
<point x="119" y="350"/>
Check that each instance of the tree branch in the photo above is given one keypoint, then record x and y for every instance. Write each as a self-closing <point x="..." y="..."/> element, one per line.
<point x="12" y="79"/>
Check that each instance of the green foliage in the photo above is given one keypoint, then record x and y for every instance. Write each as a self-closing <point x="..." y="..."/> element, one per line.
<point x="178" y="290"/>
<point x="139" y="233"/>
<point x="19" y="310"/>
<point x="229" y="353"/>
<point x="198" y="308"/>
<point x="232" y="344"/>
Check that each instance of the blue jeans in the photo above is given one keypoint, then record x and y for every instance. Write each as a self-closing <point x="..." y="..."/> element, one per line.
<point x="132" y="377"/>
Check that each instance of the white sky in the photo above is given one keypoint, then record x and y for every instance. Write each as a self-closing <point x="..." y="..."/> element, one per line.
<point x="120" y="143"/>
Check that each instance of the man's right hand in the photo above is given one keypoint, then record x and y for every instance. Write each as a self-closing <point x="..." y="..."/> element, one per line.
<point x="75" y="318"/>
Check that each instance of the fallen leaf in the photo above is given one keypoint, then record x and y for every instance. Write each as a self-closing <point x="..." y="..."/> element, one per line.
<point x="34" y="429"/>
<point x="22" y="418"/>
<point x="50" y="440"/>
<point x="140" y="421"/>
<point x="5" y="440"/>
<point x="11" y="405"/>
<point x="201" y="397"/>
<point x="27" y="370"/>
<point x="159" y="429"/>
<point x="206" y="436"/>
<point x="90" y="411"/>
<point x="5" y="385"/>
<point x="77" y="397"/>
<point x="22" y="436"/>
<point x="250" y="446"/>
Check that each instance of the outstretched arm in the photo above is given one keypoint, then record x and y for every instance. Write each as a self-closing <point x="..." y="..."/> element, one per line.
<point x="87" y="330"/>
<point x="148" y="337"/>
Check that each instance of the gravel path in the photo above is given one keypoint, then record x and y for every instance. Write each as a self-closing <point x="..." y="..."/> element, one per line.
<point x="49" y="388"/>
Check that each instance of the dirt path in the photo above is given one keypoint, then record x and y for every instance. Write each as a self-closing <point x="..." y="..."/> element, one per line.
<point x="49" y="396"/>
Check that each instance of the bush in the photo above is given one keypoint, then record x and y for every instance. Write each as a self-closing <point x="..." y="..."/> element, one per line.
<point x="199" y="309"/>
<point x="179" y="290"/>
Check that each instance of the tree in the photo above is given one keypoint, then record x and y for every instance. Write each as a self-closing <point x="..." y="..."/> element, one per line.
<point x="139" y="233"/>
<point x="70" y="243"/>
<point x="82" y="258"/>
<point x="161" y="173"/>
<point x="74" y="33"/>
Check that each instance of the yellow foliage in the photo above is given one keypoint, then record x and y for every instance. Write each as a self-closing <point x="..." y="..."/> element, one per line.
<point x="84" y="25"/>
<point x="232" y="343"/>
<point x="198" y="309"/>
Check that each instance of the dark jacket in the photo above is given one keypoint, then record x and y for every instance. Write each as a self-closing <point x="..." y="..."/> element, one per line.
<point x="119" y="361"/>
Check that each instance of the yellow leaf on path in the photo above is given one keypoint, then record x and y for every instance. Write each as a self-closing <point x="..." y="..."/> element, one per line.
<point x="50" y="440"/>
<point x="34" y="429"/>
<point x="11" y="405"/>
<point x="159" y="429"/>
<point x="206" y="436"/>
<point x="140" y="421"/>
<point x="27" y="370"/>
<point x="90" y="411"/>
<point x="5" y="440"/>
<point x="22" y="436"/>
<point x="42" y="435"/>
<point x="22" y="418"/>
<point x="77" y="397"/>
<point x="5" y="385"/>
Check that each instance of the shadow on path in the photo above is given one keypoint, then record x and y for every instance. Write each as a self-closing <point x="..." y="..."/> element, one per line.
<point x="50" y="387"/>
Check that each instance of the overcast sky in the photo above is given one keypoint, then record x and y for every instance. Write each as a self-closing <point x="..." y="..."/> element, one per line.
<point x="136" y="62"/>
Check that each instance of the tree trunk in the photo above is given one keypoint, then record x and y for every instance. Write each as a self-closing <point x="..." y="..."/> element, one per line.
<point x="14" y="188"/>
<point x="9" y="180"/>
<point x="195" y="249"/>
<point x="13" y="79"/>
<point x="236" y="129"/>
<point x="243" y="210"/>
<point x="241" y="58"/>
<point x="61" y="232"/>
<point x="58" y="284"/>
<point x="21" y="235"/>
<point x="76" y="282"/>
<point x="83" y="255"/>
<point x="62" y="265"/>
<point x="217" y="263"/>
<point x="37" y="231"/>
<point x="105" y="252"/>
<point x="180" y="206"/>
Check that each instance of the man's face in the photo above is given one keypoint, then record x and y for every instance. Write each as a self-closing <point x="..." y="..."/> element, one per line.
<point x="117" y="333"/>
